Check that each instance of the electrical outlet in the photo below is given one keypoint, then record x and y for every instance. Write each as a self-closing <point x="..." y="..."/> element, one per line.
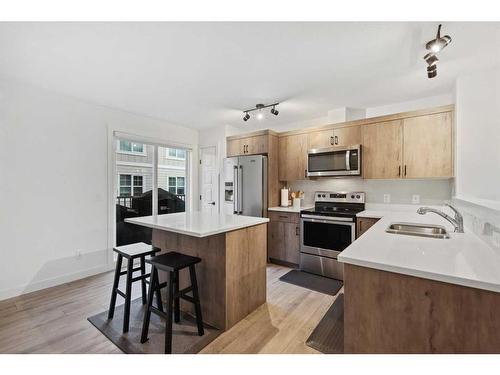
<point x="415" y="199"/>
<point x="387" y="198"/>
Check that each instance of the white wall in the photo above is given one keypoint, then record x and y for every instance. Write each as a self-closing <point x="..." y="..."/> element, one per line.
<point x="413" y="105"/>
<point x="54" y="184"/>
<point x="478" y="136"/>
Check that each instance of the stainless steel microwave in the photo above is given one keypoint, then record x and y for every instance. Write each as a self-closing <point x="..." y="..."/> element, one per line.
<point x="334" y="161"/>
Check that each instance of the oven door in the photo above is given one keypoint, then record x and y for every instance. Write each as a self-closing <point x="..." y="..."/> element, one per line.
<point x="334" y="161"/>
<point x="324" y="236"/>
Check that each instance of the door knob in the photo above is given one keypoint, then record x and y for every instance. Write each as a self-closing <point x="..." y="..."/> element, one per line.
<point x="212" y="203"/>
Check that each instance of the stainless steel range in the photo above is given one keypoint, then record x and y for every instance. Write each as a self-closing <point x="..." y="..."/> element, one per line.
<point x="327" y="229"/>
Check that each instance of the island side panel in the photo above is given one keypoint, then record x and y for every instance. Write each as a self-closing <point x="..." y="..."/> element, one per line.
<point x="387" y="312"/>
<point x="246" y="261"/>
<point x="210" y="273"/>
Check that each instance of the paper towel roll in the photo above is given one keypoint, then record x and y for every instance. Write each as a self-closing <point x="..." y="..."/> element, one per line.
<point x="284" y="197"/>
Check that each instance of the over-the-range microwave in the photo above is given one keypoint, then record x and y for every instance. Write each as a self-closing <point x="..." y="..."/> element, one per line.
<point x="334" y="161"/>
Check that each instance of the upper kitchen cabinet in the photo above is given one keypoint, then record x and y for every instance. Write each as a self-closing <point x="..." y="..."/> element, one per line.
<point x="234" y="147"/>
<point x="293" y="157"/>
<point x="427" y="145"/>
<point x="346" y="136"/>
<point x="382" y="149"/>
<point x="416" y="146"/>
<point x="251" y="145"/>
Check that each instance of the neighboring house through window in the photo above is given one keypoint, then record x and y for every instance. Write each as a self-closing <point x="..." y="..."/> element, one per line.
<point x="130" y="185"/>
<point x="176" y="153"/>
<point x="129" y="147"/>
<point x="176" y="185"/>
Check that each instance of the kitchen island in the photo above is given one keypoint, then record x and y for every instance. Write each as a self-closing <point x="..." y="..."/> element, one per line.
<point x="233" y="249"/>
<point x="407" y="294"/>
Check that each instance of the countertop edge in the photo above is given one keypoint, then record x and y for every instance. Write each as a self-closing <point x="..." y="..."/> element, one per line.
<point x="422" y="274"/>
<point x="196" y="234"/>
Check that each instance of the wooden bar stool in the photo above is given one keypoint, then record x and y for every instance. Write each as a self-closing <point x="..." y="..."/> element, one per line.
<point x="172" y="263"/>
<point x="131" y="252"/>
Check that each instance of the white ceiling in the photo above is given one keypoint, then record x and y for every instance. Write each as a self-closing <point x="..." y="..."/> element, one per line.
<point x="204" y="74"/>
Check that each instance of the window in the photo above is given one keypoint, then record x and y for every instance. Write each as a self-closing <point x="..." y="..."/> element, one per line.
<point x="176" y="185"/>
<point x="176" y="153"/>
<point x="130" y="185"/>
<point x="131" y="147"/>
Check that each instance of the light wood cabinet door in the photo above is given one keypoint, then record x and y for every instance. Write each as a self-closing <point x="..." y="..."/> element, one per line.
<point x="256" y="145"/>
<point x="233" y="147"/>
<point x="292" y="243"/>
<point x="276" y="243"/>
<point x="293" y="157"/>
<point x="320" y="139"/>
<point x="427" y="146"/>
<point x="382" y="149"/>
<point x="347" y="136"/>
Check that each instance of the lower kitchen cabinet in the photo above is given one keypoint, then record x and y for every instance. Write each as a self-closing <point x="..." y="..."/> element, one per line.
<point x="284" y="237"/>
<point x="363" y="224"/>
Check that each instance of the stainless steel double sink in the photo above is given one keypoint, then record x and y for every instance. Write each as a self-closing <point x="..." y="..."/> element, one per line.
<point x="419" y="230"/>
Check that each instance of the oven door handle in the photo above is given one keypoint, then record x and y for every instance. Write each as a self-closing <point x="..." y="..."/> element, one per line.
<point x="323" y="219"/>
<point x="346" y="223"/>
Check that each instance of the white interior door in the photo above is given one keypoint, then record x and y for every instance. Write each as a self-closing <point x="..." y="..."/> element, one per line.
<point x="209" y="181"/>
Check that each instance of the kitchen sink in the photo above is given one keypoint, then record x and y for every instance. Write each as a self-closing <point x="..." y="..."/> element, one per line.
<point x="420" y="230"/>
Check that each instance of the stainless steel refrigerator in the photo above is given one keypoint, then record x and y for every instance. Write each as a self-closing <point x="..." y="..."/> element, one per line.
<point x="245" y="185"/>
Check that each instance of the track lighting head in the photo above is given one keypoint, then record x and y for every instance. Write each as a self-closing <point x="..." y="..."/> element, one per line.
<point x="431" y="59"/>
<point x="432" y="71"/>
<point x="437" y="44"/>
<point x="274" y="111"/>
<point x="246" y="117"/>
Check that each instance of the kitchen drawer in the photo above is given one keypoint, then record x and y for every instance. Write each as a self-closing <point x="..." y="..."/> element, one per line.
<point x="286" y="217"/>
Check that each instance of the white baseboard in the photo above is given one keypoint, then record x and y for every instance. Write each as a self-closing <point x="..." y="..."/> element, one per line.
<point x="47" y="283"/>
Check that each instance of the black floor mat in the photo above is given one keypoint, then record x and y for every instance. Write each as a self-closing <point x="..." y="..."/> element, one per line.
<point x="328" y="336"/>
<point x="185" y="339"/>
<point x="314" y="282"/>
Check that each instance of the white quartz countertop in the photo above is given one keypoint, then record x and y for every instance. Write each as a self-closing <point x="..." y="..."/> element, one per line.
<point x="197" y="223"/>
<point x="289" y="209"/>
<point x="464" y="259"/>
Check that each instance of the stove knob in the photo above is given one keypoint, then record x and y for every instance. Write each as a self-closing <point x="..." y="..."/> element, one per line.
<point x="323" y="195"/>
<point x="352" y="196"/>
<point x="357" y="196"/>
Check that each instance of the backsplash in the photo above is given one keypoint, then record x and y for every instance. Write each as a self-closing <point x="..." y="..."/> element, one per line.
<point x="432" y="192"/>
<point x="481" y="220"/>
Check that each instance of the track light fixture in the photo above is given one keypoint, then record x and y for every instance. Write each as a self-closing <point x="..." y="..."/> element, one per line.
<point x="435" y="45"/>
<point x="260" y="113"/>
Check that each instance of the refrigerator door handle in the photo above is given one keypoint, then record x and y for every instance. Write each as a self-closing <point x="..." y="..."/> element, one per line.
<point x="235" y="189"/>
<point x="240" y="190"/>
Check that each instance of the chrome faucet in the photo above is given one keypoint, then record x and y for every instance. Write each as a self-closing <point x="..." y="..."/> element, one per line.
<point x="457" y="222"/>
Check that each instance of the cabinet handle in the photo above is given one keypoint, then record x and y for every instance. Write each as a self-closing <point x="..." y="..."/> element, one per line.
<point x="399" y="171"/>
<point x="331" y="140"/>
<point x="283" y="217"/>
<point x="297" y="231"/>
<point x="305" y="173"/>
<point x="336" y="140"/>
<point x="405" y="169"/>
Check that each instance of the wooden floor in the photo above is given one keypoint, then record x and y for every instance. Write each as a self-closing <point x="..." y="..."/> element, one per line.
<point x="54" y="320"/>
